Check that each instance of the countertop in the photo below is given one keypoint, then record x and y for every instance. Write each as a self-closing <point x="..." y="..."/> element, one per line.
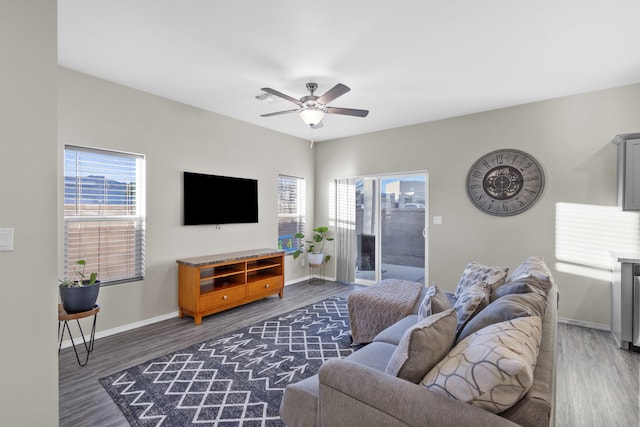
<point x="228" y="257"/>
<point x="631" y="258"/>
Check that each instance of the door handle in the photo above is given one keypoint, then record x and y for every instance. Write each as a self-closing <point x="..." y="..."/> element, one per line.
<point x="424" y="232"/>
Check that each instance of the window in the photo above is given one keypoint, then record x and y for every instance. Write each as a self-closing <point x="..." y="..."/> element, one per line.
<point x="291" y="211"/>
<point x="104" y="213"/>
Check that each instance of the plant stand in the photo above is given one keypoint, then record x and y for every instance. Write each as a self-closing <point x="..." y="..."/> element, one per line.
<point x="65" y="317"/>
<point x="312" y="272"/>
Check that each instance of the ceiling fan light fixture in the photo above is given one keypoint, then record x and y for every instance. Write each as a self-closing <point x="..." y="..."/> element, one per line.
<point x="312" y="116"/>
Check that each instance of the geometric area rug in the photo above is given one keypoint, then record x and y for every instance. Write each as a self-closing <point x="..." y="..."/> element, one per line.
<point x="237" y="379"/>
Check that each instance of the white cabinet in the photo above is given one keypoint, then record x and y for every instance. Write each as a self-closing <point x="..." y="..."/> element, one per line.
<point x="628" y="171"/>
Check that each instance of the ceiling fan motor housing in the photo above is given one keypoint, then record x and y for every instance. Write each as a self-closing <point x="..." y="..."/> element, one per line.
<point x="311" y="87"/>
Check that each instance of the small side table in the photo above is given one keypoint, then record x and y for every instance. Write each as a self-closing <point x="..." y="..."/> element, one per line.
<point x="312" y="269"/>
<point x="64" y="318"/>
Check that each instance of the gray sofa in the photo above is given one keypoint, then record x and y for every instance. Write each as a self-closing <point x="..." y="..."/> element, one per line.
<point x="356" y="391"/>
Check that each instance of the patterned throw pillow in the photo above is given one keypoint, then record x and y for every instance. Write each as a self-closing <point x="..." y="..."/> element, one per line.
<point x="470" y="302"/>
<point x="434" y="301"/>
<point x="476" y="273"/>
<point x="491" y="369"/>
<point x="533" y="266"/>
<point x="422" y="346"/>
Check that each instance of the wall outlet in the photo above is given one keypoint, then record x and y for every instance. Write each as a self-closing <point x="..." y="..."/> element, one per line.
<point x="302" y="262"/>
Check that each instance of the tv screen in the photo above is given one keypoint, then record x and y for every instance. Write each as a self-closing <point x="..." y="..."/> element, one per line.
<point x="214" y="199"/>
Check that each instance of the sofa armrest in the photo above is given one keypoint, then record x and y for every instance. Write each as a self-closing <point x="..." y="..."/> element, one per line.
<point x="356" y="395"/>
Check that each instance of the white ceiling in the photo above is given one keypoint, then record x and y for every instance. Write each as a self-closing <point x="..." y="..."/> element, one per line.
<point x="408" y="61"/>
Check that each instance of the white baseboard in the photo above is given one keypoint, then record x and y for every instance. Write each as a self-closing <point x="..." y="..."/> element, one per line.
<point x="591" y="325"/>
<point x="302" y="279"/>
<point x="160" y="318"/>
<point x="156" y="319"/>
<point x="123" y="328"/>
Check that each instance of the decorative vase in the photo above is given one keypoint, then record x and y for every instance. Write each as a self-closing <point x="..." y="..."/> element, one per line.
<point x="76" y="299"/>
<point x="315" y="258"/>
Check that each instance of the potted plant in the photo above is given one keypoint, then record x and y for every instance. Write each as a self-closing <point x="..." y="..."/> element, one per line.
<point x="80" y="294"/>
<point x="314" y="247"/>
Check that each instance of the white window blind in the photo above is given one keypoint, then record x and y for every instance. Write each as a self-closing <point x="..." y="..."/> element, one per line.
<point x="104" y="213"/>
<point x="291" y="211"/>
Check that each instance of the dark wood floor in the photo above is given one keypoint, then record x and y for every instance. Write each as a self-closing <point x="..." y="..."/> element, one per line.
<point x="597" y="384"/>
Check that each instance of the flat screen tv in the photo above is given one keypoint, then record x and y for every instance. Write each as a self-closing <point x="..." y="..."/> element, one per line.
<point x="214" y="199"/>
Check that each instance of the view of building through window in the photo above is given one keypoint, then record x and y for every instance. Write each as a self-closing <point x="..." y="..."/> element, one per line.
<point x="291" y="211"/>
<point x="104" y="213"/>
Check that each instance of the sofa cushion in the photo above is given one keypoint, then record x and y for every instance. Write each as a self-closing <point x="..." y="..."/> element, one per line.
<point x="506" y="308"/>
<point x="470" y="302"/>
<point x="475" y="273"/>
<point x="422" y="346"/>
<point x="375" y="355"/>
<point x="394" y="333"/>
<point x="434" y="301"/>
<point x="492" y="368"/>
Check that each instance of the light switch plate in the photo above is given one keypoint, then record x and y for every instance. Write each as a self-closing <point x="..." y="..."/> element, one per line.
<point x="437" y="220"/>
<point x="6" y="239"/>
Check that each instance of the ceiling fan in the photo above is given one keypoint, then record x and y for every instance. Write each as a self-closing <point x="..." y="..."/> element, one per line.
<point x="312" y="108"/>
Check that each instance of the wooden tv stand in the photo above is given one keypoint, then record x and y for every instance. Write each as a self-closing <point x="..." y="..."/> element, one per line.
<point x="214" y="283"/>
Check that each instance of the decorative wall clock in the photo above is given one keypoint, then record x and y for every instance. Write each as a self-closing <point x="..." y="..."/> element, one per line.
<point x="505" y="182"/>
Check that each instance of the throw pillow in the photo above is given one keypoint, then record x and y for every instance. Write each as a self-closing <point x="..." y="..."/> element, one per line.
<point x="506" y="308"/>
<point x="471" y="301"/>
<point x="434" y="301"/>
<point x="476" y="273"/>
<point x="533" y="266"/>
<point x="440" y="302"/>
<point x="522" y="286"/>
<point x="491" y="369"/>
<point x="422" y="346"/>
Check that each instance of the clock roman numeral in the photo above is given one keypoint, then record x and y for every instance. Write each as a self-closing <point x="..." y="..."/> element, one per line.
<point x="528" y="165"/>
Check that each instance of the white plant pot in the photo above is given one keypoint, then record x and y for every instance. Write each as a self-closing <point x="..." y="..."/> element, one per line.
<point x="315" y="259"/>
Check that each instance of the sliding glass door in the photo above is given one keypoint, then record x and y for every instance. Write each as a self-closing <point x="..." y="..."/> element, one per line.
<point x="391" y="228"/>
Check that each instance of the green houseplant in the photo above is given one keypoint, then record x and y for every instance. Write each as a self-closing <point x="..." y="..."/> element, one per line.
<point x="79" y="294"/>
<point x="314" y="247"/>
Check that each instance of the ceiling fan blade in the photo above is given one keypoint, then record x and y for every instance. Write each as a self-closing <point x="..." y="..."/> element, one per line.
<point x="347" y="111"/>
<point x="333" y="93"/>
<point x="281" y="95"/>
<point x="277" y="113"/>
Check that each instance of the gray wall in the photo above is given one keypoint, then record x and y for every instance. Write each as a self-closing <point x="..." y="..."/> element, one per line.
<point x="569" y="136"/>
<point x="28" y="174"/>
<point x="174" y="138"/>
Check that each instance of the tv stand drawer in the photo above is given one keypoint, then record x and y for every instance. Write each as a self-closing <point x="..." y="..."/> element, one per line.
<point x="227" y="296"/>
<point x="266" y="286"/>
